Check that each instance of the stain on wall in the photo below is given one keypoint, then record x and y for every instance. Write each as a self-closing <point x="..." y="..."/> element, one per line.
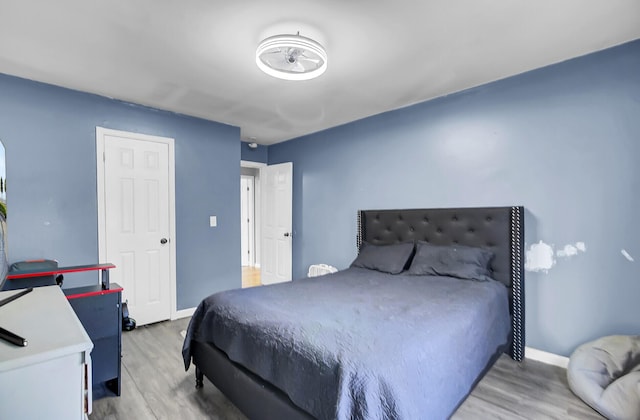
<point x="541" y="257"/>
<point x="627" y="255"/>
<point x="570" y="250"/>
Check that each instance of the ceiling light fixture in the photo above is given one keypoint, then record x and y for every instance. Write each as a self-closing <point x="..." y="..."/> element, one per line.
<point x="291" y="57"/>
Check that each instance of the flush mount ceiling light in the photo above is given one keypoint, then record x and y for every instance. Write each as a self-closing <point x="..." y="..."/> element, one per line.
<point x="291" y="57"/>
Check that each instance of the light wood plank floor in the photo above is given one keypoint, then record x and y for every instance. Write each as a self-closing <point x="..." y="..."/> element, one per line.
<point x="250" y="277"/>
<point x="155" y="386"/>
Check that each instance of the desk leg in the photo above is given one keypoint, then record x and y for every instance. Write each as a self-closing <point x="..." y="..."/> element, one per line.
<point x="199" y="378"/>
<point x="105" y="279"/>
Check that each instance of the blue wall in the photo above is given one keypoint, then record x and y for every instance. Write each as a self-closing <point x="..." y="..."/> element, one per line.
<point x="258" y="154"/>
<point x="49" y="135"/>
<point x="563" y="141"/>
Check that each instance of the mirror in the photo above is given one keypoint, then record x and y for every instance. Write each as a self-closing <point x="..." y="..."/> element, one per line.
<point x="4" y="266"/>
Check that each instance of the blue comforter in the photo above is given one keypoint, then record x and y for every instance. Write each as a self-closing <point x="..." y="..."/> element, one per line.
<point x="360" y="344"/>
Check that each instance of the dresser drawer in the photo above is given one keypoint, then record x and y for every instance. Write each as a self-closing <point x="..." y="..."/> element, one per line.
<point x="99" y="314"/>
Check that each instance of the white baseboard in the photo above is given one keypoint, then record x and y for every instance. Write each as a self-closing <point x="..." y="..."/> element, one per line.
<point x="183" y="313"/>
<point x="546" y="357"/>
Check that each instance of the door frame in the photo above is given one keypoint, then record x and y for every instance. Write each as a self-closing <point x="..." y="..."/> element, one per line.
<point x="257" y="214"/>
<point x="101" y="132"/>
<point x="249" y="201"/>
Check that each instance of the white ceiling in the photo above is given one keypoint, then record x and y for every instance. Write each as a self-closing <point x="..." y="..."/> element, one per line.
<point x="197" y="57"/>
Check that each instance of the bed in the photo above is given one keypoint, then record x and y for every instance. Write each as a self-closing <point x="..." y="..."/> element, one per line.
<point x="366" y="344"/>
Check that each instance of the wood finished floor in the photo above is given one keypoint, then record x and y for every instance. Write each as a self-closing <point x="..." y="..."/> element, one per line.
<point x="155" y="386"/>
<point x="250" y="277"/>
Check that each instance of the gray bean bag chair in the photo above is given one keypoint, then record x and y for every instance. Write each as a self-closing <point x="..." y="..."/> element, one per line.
<point x="605" y="373"/>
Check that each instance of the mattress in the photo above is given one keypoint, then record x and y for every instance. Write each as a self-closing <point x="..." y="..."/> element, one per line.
<point x="360" y="344"/>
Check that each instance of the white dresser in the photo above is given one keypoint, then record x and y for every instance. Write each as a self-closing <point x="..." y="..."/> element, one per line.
<point x="50" y="377"/>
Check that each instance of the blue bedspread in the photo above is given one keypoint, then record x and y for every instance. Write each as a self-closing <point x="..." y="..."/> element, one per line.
<point x="360" y="344"/>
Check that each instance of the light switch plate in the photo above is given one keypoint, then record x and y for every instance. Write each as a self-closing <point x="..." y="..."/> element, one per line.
<point x="213" y="221"/>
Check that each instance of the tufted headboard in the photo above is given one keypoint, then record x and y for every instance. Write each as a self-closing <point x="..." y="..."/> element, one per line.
<point x="500" y="229"/>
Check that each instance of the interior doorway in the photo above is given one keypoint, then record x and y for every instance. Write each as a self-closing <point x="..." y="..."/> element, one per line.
<point x="250" y="211"/>
<point x="272" y="228"/>
<point x="136" y="222"/>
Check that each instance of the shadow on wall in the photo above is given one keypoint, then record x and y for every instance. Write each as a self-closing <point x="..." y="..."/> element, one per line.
<point x="531" y="293"/>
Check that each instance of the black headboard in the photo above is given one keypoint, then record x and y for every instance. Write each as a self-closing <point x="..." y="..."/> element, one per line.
<point x="500" y="229"/>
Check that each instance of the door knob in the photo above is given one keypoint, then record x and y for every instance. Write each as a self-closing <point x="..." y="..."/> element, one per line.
<point x="287" y="234"/>
<point x="164" y="241"/>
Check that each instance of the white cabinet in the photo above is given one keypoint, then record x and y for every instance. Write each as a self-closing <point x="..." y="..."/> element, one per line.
<point x="50" y="377"/>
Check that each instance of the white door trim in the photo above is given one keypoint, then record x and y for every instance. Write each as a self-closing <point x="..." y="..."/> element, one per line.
<point x="247" y="203"/>
<point x="101" y="132"/>
<point x="257" y="200"/>
<point x="250" y="164"/>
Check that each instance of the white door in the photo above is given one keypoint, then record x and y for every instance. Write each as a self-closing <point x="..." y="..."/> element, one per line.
<point x="247" y="230"/>
<point x="137" y="212"/>
<point x="276" y="223"/>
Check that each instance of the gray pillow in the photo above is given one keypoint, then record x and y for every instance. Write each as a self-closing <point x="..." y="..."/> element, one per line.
<point x="390" y="259"/>
<point x="463" y="262"/>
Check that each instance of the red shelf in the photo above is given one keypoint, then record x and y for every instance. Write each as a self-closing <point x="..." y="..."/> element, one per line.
<point x="60" y="270"/>
<point x="81" y="292"/>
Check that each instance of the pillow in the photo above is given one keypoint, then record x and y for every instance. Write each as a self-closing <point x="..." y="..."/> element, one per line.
<point x="390" y="259"/>
<point x="463" y="262"/>
<point x="605" y="373"/>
